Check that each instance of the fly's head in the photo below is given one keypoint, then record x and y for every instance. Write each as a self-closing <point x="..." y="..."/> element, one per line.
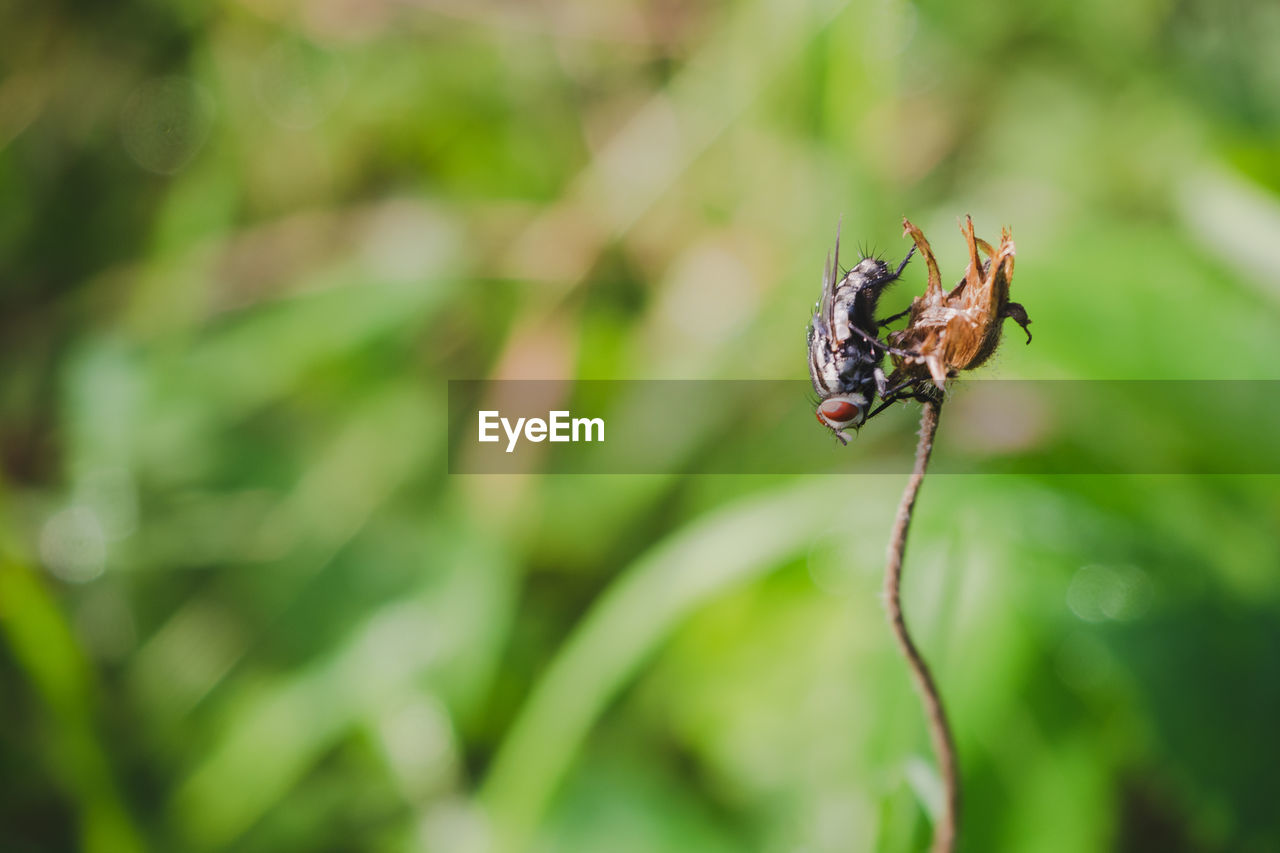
<point x="843" y="411"/>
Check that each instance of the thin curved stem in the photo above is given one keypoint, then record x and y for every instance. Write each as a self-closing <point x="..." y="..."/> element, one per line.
<point x="944" y="836"/>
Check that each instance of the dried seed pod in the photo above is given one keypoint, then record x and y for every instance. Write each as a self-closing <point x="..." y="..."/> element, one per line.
<point x="958" y="330"/>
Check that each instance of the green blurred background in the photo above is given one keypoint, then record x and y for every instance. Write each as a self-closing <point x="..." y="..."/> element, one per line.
<point x="245" y="607"/>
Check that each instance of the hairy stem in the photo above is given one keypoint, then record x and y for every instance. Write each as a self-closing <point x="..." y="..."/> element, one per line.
<point x="944" y="836"/>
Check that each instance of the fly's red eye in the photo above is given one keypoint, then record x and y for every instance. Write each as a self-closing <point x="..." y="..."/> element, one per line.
<point x="838" y="411"/>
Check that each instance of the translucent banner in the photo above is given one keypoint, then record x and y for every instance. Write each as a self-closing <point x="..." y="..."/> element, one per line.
<point x="769" y="427"/>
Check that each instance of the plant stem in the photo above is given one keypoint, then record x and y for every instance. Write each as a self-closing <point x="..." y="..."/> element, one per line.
<point x="944" y="836"/>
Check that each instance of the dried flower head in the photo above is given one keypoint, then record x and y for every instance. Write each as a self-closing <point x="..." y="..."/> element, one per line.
<point x="957" y="330"/>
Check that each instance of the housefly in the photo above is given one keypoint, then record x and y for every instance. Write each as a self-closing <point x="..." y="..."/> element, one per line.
<point x="844" y="352"/>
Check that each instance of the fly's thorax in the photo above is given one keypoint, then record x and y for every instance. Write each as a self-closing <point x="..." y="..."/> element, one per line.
<point x="871" y="268"/>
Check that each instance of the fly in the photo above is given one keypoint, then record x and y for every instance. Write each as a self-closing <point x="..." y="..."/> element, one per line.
<point x="844" y="352"/>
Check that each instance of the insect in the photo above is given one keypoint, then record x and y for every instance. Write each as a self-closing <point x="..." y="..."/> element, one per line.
<point x="844" y="352"/>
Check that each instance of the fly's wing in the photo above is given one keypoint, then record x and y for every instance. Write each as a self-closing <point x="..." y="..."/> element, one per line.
<point x="829" y="284"/>
<point x="822" y="342"/>
<point x="820" y="327"/>
<point x="839" y="225"/>
<point x="818" y="353"/>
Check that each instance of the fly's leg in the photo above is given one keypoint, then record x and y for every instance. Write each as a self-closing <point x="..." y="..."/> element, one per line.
<point x="877" y="343"/>
<point x="902" y="266"/>
<point x="894" y="318"/>
<point x="884" y="282"/>
<point x="905" y="391"/>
